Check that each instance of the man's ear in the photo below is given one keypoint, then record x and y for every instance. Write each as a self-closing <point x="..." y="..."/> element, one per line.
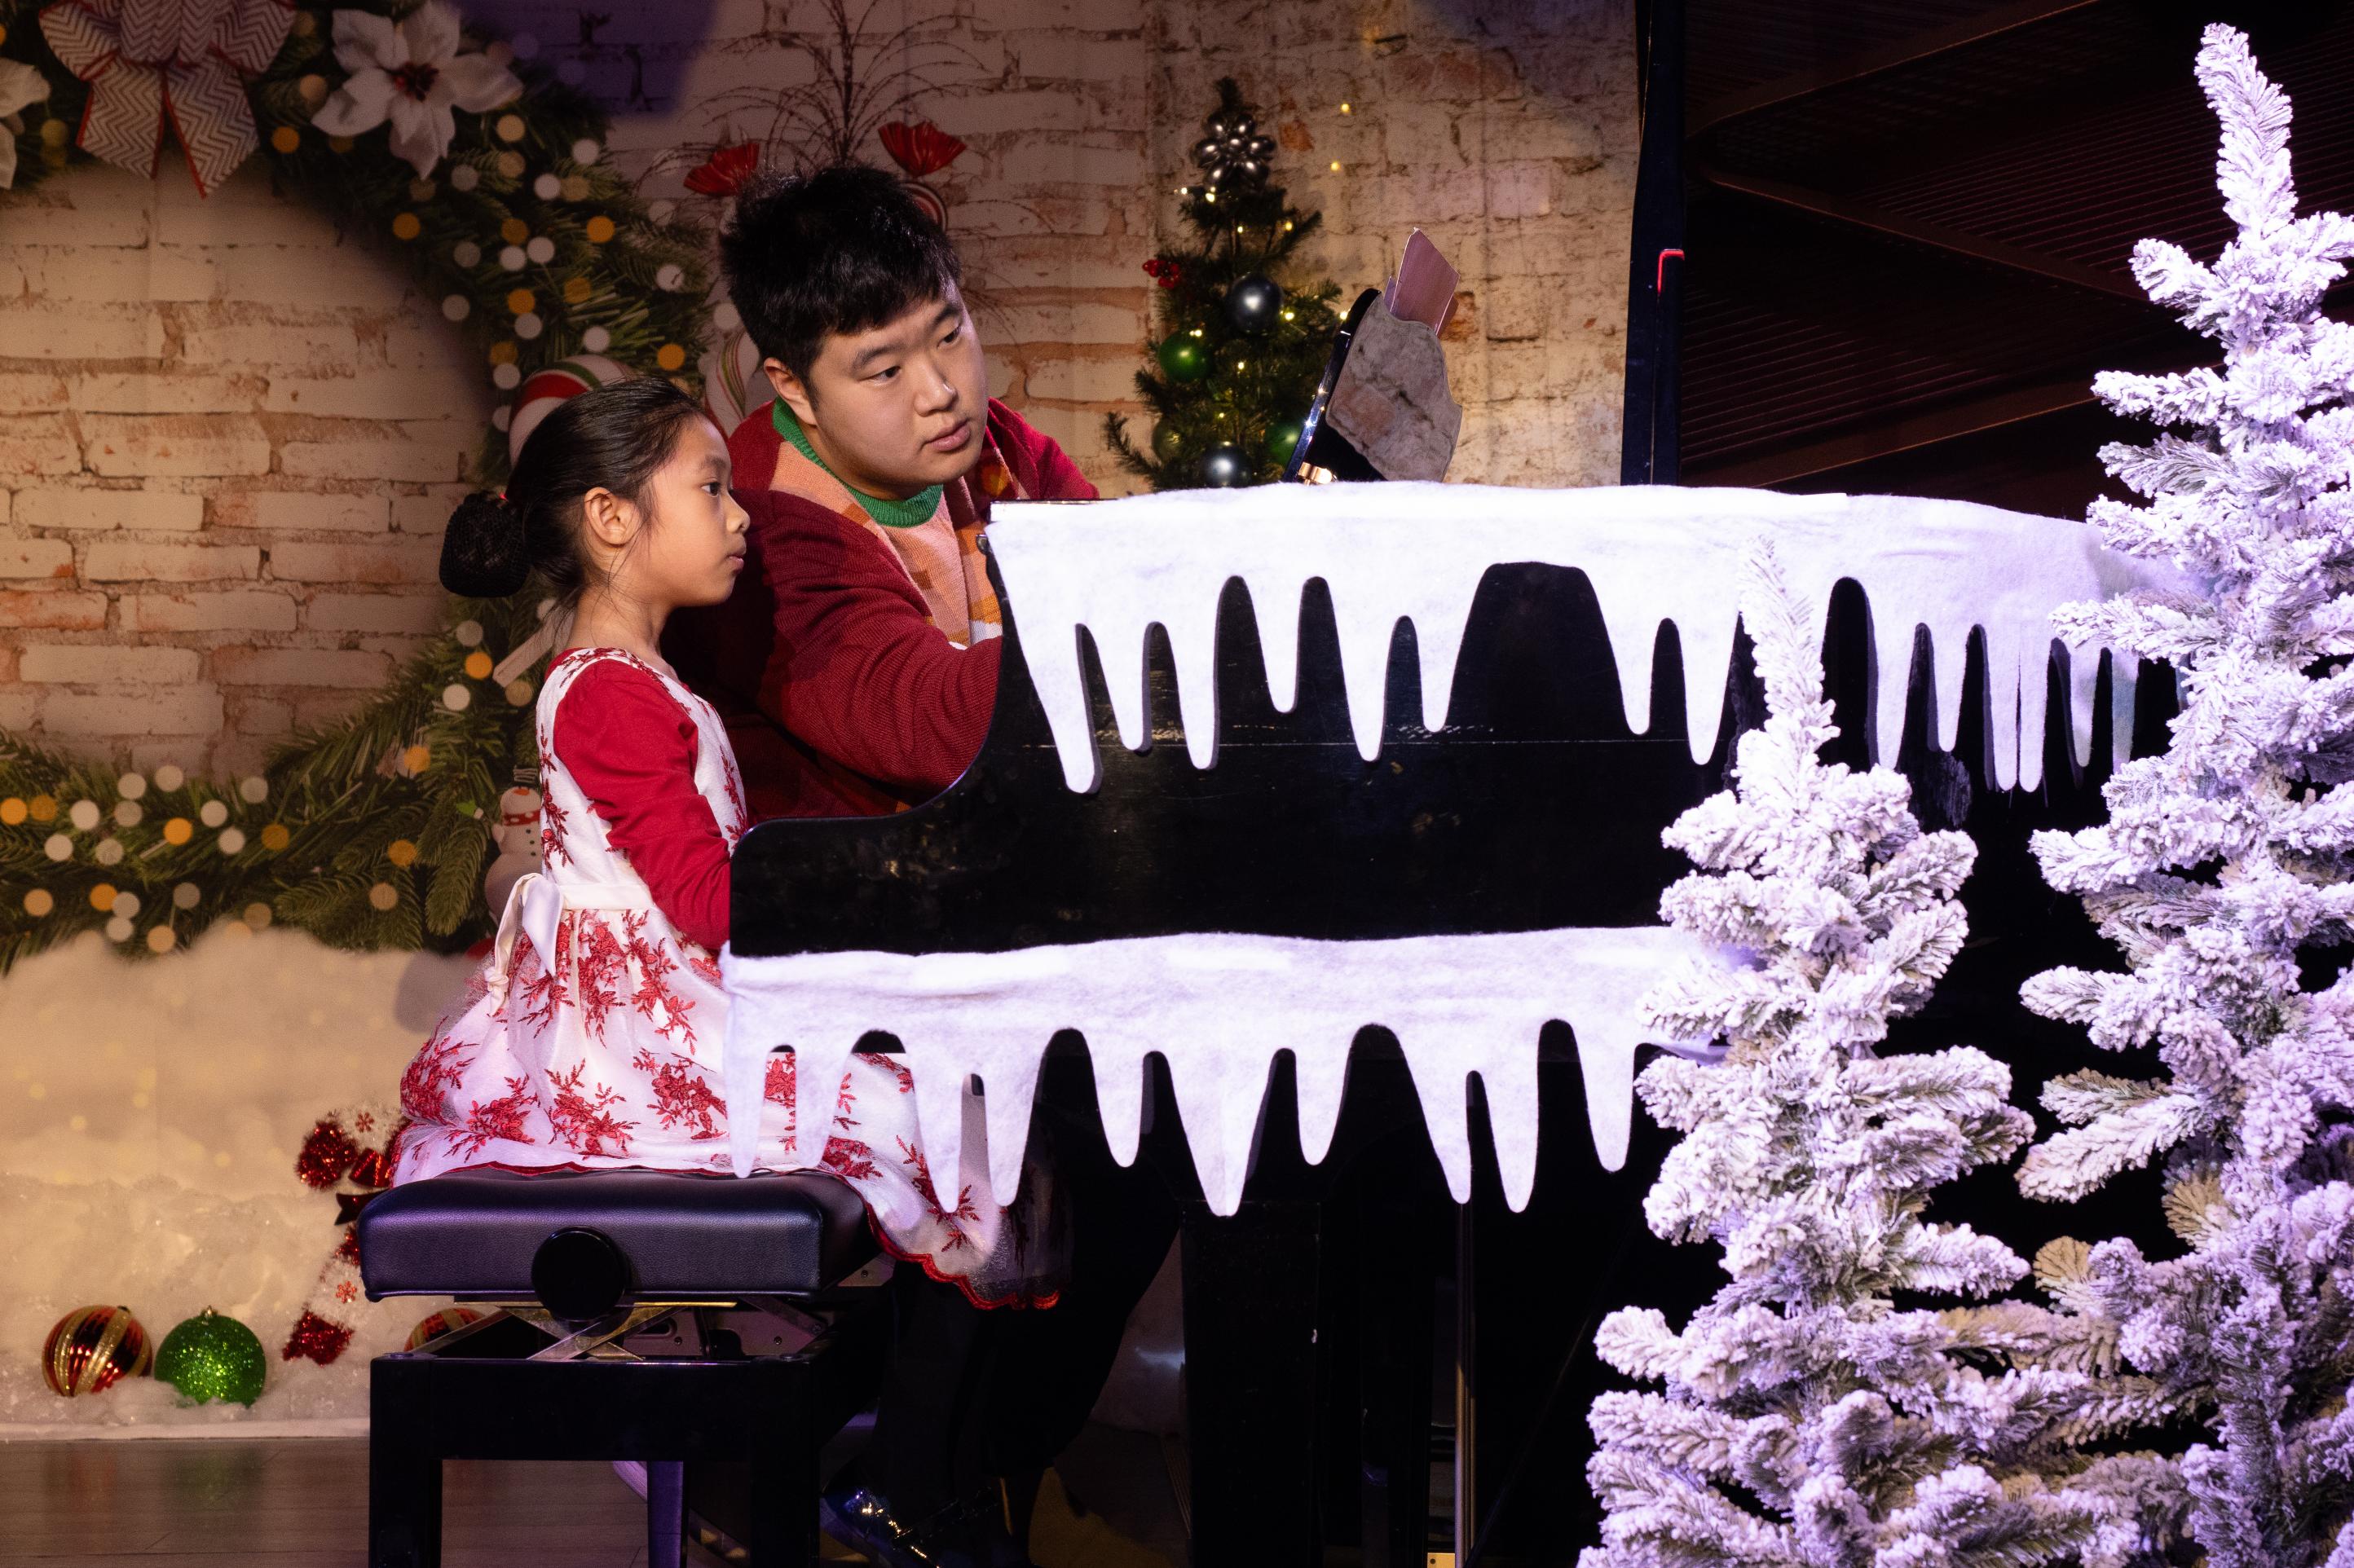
<point x="792" y="390"/>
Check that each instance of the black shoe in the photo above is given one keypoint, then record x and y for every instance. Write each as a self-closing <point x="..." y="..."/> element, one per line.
<point x="967" y="1534"/>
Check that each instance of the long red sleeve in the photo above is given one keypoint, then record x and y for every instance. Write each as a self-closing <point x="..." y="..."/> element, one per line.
<point x="631" y="749"/>
<point x="857" y="672"/>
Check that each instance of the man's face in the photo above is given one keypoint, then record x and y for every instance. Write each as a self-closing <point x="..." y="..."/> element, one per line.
<point x="900" y="407"/>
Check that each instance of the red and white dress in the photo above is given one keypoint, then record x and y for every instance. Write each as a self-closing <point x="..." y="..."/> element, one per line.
<point x="589" y="1039"/>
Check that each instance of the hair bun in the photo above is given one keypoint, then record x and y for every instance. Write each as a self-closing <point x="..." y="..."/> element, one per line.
<point x="481" y="549"/>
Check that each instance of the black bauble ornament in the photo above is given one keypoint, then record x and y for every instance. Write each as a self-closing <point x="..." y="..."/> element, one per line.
<point x="1224" y="467"/>
<point x="1252" y="305"/>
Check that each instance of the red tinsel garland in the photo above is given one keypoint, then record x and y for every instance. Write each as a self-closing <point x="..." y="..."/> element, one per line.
<point x="353" y="1149"/>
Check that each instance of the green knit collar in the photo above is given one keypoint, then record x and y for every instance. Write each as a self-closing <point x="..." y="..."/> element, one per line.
<point x="918" y="509"/>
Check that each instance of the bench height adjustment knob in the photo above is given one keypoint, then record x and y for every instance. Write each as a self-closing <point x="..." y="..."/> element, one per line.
<point x="579" y="1274"/>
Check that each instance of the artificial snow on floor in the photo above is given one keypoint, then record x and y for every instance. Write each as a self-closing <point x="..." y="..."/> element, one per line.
<point x="1653" y="553"/>
<point x="150" y="1113"/>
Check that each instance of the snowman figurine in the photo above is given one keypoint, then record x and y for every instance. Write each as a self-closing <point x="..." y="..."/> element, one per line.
<point x="516" y="833"/>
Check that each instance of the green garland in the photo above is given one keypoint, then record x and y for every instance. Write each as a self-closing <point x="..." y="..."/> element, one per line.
<point x="342" y="835"/>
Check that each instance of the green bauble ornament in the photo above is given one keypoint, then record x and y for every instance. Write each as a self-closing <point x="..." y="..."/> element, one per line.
<point x="1167" y="439"/>
<point x="1182" y="358"/>
<point x="211" y="1357"/>
<point x="1282" y="437"/>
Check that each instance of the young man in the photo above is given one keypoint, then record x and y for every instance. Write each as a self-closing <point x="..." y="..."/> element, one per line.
<point x="856" y="667"/>
<point x="856" y="664"/>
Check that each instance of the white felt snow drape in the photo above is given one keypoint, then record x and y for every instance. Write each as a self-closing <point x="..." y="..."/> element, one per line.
<point x="1220" y="1006"/>
<point x="1416" y="552"/>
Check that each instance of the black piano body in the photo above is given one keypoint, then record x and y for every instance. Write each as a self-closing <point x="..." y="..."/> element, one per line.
<point x="1315" y="1317"/>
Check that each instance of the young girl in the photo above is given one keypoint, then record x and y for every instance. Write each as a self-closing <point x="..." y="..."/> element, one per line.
<point x="589" y="1039"/>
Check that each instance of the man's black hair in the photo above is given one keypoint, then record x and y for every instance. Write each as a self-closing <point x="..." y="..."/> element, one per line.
<point x="839" y="250"/>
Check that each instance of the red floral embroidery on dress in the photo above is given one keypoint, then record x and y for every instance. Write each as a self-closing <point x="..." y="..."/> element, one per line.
<point x="554" y="822"/>
<point x="430" y="1073"/>
<point x="701" y="961"/>
<point x="501" y="1119"/>
<point x="543" y="994"/>
<point x="586" y="1118"/>
<point x="683" y="1095"/>
<point x="850" y="1160"/>
<point x="656" y="1002"/>
<point x="921" y="1179"/>
<point x="602" y="969"/>
<point x="734" y="830"/>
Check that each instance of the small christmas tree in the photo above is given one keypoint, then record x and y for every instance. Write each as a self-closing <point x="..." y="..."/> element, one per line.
<point x="2223" y="863"/>
<point x="1240" y="351"/>
<point x="1807" y="1419"/>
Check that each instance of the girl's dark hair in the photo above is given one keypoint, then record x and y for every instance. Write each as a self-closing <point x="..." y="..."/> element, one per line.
<point x="615" y="438"/>
<point x="839" y="250"/>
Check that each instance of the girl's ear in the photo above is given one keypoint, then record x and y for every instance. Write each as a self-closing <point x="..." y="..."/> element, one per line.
<point x="609" y="520"/>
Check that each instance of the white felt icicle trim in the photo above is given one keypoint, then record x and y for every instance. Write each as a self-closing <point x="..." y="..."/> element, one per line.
<point x="1653" y="553"/>
<point x="1218" y="1008"/>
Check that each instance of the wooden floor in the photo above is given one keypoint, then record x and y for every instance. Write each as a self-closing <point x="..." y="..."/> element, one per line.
<point x="171" y="1503"/>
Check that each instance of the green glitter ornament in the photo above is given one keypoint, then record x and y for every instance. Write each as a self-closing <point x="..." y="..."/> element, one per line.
<point x="1182" y="358"/>
<point x="1282" y="437"/>
<point x="210" y="1357"/>
<point x="1166" y="442"/>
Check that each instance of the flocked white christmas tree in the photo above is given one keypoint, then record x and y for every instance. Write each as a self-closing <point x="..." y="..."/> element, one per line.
<point x="1807" y="1417"/>
<point x="2222" y="862"/>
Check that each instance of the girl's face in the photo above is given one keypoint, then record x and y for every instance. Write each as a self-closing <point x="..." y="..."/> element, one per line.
<point x="684" y="544"/>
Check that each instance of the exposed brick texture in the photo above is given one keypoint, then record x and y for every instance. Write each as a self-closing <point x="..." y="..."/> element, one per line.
<point x="229" y="436"/>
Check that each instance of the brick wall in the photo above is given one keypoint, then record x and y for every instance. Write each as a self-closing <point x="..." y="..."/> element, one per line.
<point x="228" y="444"/>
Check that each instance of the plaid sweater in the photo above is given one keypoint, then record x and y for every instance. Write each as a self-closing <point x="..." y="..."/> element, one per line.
<point x="842" y="695"/>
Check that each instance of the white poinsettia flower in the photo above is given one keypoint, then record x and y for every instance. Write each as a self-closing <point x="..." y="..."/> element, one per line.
<point x="20" y="85"/>
<point x="411" y="74"/>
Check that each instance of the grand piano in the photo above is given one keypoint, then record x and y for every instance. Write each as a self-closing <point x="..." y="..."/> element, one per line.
<point x="1215" y="718"/>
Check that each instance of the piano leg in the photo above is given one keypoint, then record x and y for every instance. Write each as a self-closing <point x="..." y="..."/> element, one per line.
<point x="1393" y="1385"/>
<point x="1467" y="1388"/>
<point x="1250" y="1382"/>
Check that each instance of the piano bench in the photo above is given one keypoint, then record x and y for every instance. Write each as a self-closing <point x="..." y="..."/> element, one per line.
<point x="665" y="1316"/>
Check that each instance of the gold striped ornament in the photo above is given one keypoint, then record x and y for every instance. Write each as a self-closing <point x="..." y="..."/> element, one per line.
<point x="448" y="1320"/>
<point x="93" y="1347"/>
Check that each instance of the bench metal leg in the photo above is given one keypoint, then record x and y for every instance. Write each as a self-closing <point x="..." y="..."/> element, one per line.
<point x="404" y="1489"/>
<point x="665" y="1512"/>
<point x="784" y="1459"/>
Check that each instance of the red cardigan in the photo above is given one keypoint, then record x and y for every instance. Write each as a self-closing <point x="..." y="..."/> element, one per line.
<point x="840" y="697"/>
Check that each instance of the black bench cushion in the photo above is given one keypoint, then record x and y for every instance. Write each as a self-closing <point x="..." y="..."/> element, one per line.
<point x="472" y="1233"/>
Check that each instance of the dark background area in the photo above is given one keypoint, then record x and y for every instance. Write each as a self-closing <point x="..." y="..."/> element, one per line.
<point x="1910" y="222"/>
